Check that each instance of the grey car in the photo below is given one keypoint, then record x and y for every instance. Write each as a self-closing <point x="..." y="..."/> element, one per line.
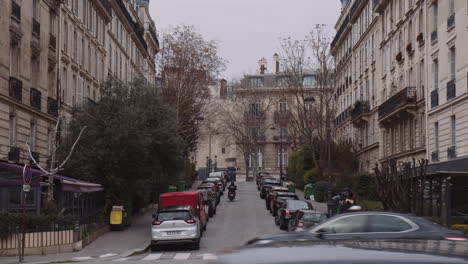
<point x="175" y="225"/>
<point x="302" y="220"/>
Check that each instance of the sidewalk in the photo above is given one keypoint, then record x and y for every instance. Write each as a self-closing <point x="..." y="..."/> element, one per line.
<point x="111" y="245"/>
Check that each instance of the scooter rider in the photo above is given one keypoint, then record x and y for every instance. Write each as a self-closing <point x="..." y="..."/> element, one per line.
<point x="232" y="187"/>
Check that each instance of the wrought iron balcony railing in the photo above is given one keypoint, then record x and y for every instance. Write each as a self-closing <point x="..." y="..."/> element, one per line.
<point x="14" y="154"/>
<point x="360" y="107"/>
<point x="402" y="98"/>
<point x="434" y="98"/>
<point x="451" y="21"/>
<point x="15" y="10"/>
<point x="435" y="156"/>
<point x="451" y="90"/>
<point x="35" y="99"/>
<point x="16" y="89"/>
<point x="36" y="27"/>
<point x="452" y="152"/>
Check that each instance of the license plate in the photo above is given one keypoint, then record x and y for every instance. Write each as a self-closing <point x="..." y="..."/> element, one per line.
<point x="171" y="233"/>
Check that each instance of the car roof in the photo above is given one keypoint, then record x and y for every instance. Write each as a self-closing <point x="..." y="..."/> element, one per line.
<point x="285" y="194"/>
<point x="311" y="211"/>
<point x="175" y="208"/>
<point x="278" y="188"/>
<point x="185" y="193"/>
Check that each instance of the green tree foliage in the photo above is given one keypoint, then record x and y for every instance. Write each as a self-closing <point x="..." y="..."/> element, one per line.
<point x="131" y="144"/>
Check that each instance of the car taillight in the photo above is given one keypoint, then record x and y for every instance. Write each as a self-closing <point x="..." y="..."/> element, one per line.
<point x="191" y="221"/>
<point x="300" y="223"/>
<point x="286" y="211"/>
<point x="457" y="238"/>
<point x="156" y="222"/>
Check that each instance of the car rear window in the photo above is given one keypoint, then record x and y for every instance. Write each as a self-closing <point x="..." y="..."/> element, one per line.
<point x="174" y="215"/>
<point x="288" y="197"/>
<point x="313" y="217"/>
<point x="297" y="205"/>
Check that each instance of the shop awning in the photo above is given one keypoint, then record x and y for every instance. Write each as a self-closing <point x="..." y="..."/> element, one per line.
<point x="12" y="176"/>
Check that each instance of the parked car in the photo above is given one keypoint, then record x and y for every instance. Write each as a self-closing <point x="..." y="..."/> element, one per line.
<point x="192" y="198"/>
<point x="286" y="208"/>
<point x="262" y="175"/>
<point x="270" y="193"/>
<point x="210" y="202"/>
<point x="279" y="197"/>
<point x="221" y="176"/>
<point x="214" y="187"/>
<point x="176" y="224"/>
<point x="270" y="183"/>
<point x="370" y="225"/>
<point x="302" y="220"/>
<point x="348" y="252"/>
<point x="218" y="181"/>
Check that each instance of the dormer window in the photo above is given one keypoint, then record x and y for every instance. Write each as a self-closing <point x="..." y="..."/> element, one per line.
<point x="309" y="81"/>
<point x="256" y="82"/>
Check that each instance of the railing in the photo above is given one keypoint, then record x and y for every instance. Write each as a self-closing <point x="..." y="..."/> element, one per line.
<point x="342" y="116"/>
<point x="359" y="108"/>
<point x="434" y="35"/>
<point x="125" y="12"/>
<point x="435" y="155"/>
<point x="451" y="90"/>
<point x="52" y="41"/>
<point x="434" y="98"/>
<point x="35" y="99"/>
<point x="15" y="10"/>
<point x="16" y="89"/>
<point x="14" y="154"/>
<point x="52" y="107"/>
<point x="36" y="27"/>
<point x="452" y="152"/>
<point x="402" y="98"/>
<point x="451" y="21"/>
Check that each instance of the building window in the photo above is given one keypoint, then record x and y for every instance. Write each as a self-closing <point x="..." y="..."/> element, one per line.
<point x="12" y="130"/>
<point x="435" y="14"/>
<point x="283" y="107"/>
<point x="436" y="136"/>
<point x="255" y="109"/>
<point x="256" y="82"/>
<point x="452" y="63"/>
<point x="282" y="158"/>
<point x="309" y="81"/>
<point x="36" y="9"/>
<point x="223" y="150"/>
<point x="453" y="131"/>
<point x="259" y="160"/>
<point x="421" y="79"/>
<point x="436" y="74"/>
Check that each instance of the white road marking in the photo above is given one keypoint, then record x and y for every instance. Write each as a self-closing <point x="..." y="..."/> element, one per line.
<point x="108" y="255"/>
<point x="209" y="256"/>
<point x="182" y="256"/>
<point x="122" y="259"/>
<point x="153" y="257"/>
<point x="83" y="258"/>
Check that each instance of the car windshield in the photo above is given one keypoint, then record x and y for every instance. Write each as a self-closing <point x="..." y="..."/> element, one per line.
<point x="174" y="215"/>
<point x="313" y="217"/>
<point x="297" y="205"/>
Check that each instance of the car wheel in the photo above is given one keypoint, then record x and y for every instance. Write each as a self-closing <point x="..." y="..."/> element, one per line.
<point x="154" y="248"/>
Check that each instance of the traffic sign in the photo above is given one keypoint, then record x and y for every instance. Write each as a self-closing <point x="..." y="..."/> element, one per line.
<point x="27" y="174"/>
<point x="26" y="188"/>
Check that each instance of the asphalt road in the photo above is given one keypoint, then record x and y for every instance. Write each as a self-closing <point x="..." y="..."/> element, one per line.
<point x="234" y="223"/>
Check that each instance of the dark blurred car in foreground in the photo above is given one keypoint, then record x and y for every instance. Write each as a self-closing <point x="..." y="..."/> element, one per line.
<point x="286" y="208"/>
<point x="279" y="197"/>
<point x="369" y="225"/>
<point x="270" y="193"/>
<point x="302" y="220"/>
<point x="350" y="252"/>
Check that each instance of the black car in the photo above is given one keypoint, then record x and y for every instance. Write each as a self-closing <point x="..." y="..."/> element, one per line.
<point x="217" y="181"/>
<point x="214" y="188"/>
<point x="350" y="252"/>
<point x="369" y="225"/>
<point x="286" y="208"/>
<point x="279" y="197"/>
<point x="302" y="220"/>
<point x="266" y="186"/>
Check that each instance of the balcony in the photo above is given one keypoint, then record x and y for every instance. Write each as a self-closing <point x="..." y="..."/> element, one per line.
<point x="435" y="156"/>
<point x="360" y="113"/>
<point x="452" y="152"/>
<point x="281" y="117"/>
<point x="36" y="28"/>
<point x="451" y="22"/>
<point x="14" y="154"/>
<point x="16" y="89"/>
<point x="15" y="10"/>
<point x="434" y="98"/>
<point x="434" y="36"/>
<point x="52" y="107"/>
<point x="451" y="90"/>
<point x="153" y="34"/>
<point x="343" y="116"/>
<point x="400" y="105"/>
<point x="35" y="99"/>
<point x="52" y="41"/>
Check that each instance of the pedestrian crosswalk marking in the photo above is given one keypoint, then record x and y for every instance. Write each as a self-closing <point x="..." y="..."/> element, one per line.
<point x="83" y="258"/>
<point x="153" y="257"/>
<point x="122" y="259"/>
<point x="182" y="256"/>
<point x="108" y="255"/>
<point x="208" y="256"/>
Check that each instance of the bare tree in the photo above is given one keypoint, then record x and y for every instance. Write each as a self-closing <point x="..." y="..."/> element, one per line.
<point x="308" y="85"/>
<point x="245" y="123"/>
<point x="188" y="64"/>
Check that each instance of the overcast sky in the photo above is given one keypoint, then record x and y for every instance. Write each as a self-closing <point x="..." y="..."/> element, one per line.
<point x="246" y="29"/>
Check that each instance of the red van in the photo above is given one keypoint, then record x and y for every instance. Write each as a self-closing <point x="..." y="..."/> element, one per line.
<point x="193" y="198"/>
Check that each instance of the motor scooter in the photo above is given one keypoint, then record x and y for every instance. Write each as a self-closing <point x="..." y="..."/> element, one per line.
<point x="231" y="195"/>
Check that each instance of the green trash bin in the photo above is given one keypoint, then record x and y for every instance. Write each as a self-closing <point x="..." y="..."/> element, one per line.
<point x="181" y="186"/>
<point x="308" y="191"/>
<point x="291" y="187"/>
<point x="171" y="188"/>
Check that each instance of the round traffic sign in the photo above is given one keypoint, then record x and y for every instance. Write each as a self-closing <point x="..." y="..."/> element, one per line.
<point x="27" y="174"/>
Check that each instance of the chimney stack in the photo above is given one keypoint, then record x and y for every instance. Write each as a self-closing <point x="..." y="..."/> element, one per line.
<point x="262" y="63"/>
<point x="276" y="60"/>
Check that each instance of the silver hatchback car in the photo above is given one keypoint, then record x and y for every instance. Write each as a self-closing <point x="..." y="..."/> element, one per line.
<point x="174" y="225"/>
